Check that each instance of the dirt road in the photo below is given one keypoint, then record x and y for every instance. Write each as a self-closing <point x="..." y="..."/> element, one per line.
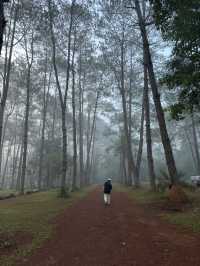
<point x="123" y="234"/>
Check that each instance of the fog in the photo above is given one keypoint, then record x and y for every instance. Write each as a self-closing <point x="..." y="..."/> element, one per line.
<point x="82" y="98"/>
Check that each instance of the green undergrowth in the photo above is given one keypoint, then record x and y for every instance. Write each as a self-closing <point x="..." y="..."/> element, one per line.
<point x="32" y="214"/>
<point x="7" y="192"/>
<point x="142" y="195"/>
<point x="188" y="218"/>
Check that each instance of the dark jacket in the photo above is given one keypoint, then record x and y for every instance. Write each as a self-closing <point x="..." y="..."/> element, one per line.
<point x="107" y="187"/>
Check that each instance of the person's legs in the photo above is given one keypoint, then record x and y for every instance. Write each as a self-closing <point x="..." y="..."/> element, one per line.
<point x="108" y="199"/>
<point x="105" y="198"/>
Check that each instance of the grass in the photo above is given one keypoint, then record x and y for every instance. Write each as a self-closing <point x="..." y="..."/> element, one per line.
<point x="145" y="196"/>
<point x="142" y="195"/>
<point x="31" y="214"/>
<point x="190" y="218"/>
<point x="7" y="192"/>
<point x="187" y="219"/>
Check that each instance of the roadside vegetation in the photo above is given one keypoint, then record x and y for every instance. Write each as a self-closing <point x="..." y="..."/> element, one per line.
<point x="91" y="90"/>
<point x="29" y="217"/>
<point x="187" y="215"/>
<point x="190" y="217"/>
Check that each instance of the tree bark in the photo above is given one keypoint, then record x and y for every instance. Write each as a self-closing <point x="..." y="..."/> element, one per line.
<point x="123" y="152"/>
<point x="44" y="113"/>
<point x="141" y="141"/>
<point x="130" y="105"/>
<point x="74" y="178"/>
<point x="150" y="160"/>
<point x="196" y="148"/>
<point x="27" y="111"/>
<point x="90" y="135"/>
<point x="132" y="168"/>
<point x="63" y="99"/>
<point x="6" y="77"/>
<point x="15" y="160"/>
<point x="6" y="163"/>
<point x="2" y="22"/>
<point x="26" y="129"/>
<point x="156" y="97"/>
<point x="191" y="149"/>
<point x="3" y="137"/>
<point x="87" y="144"/>
<point x="81" y="164"/>
<point x="92" y="166"/>
<point x="19" y="172"/>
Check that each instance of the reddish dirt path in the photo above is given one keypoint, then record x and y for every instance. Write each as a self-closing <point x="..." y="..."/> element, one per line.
<point x="90" y="234"/>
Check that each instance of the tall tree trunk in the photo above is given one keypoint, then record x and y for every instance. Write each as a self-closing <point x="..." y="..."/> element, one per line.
<point x="51" y="137"/>
<point x="29" y="59"/>
<point x="14" y="169"/>
<point x="14" y="155"/>
<point x="196" y="148"/>
<point x="54" y="118"/>
<point x="3" y="138"/>
<point x="191" y="149"/>
<point x="63" y="99"/>
<point x="26" y="129"/>
<point x="130" y="106"/>
<point x="74" y="178"/>
<point x="132" y="168"/>
<point x="150" y="160"/>
<point x="19" y="170"/>
<point x="156" y="96"/>
<point x="7" y="70"/>
<point x="92" y="159"/>
<point x="81" y="165"/>
<point x="91" y="135"/>
<point x="13" y="163"/>
<point x="88" y="144"/>
<point x="44" y="112"/>
<point x="123" y="152"/>
<point x="121" y="175"/>
<point x="2" y="22"/>
<point x="63" y="107"/>
<point x="64" y="151"/>
<point x="141" y="141"/>
<point x="66" y="92"/>
<point x="6" y="163"/>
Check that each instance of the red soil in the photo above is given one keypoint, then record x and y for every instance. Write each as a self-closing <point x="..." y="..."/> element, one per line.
<point x="123" y="234"/>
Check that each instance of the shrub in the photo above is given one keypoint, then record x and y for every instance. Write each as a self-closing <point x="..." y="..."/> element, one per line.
<point x="64" y="192"/>
<point x="177" y="195"/>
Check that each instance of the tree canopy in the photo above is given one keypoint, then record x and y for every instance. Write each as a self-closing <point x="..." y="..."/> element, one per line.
<point x="179" y="22"/>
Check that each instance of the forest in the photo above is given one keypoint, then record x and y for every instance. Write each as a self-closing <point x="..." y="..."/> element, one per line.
<point x="99" y="132"/>
<point x="97" y="89"/>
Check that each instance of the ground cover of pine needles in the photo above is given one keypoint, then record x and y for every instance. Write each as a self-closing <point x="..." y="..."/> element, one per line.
<point x="31" y="214"/>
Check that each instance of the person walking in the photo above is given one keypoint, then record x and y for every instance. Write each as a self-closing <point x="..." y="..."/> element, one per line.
<point x="107" y="191"/>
